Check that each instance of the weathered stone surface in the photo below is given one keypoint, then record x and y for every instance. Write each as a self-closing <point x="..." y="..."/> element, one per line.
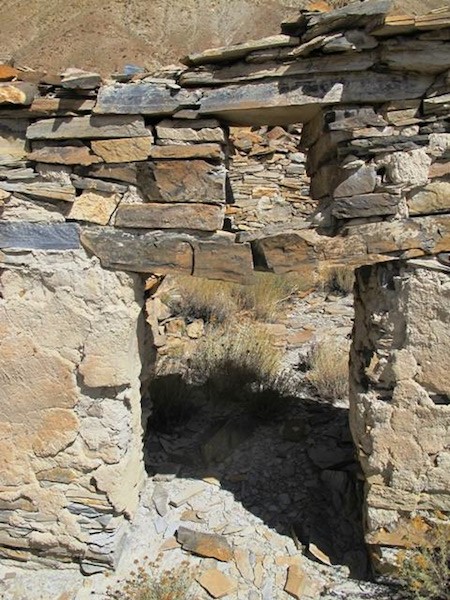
<point x="123" y="150"/>
<point x="192" y="490"/>
<point x="237" y="51"/>
<point x="365" y="205"/>
<point x="142" y="98"/>
<point x="70" y="154"/>
<point x="214" y="76"/>
<point x="79" y="79"/>
<point x="439" y="169"/>
<point x="34" y="236"/>
<point x="53" y="106"/>
<point x="88" y="183"/>
<point x="408" y="168"/>
<point x="127" y="172"/>
<point x="94" y="207"/>
<point x="182" y="181"/>
<point x="217" y="584"/>
<point x="205" y="544"/>
<point x="211" y="151"/>
<point x="17" y="208"/>
<point x="350" y="16"/>
<point x="432" y="198"/>
<point x="17" y="93"/>
<point x="205" y="217"/>
<point x="359" y="181"/>
<point x="42" y="189"/>
<point x="58" y="314"/>
<point x="95" y="126"/>
<point x="200" y="131"/>
<point x="299" y="584"/>
<point x="222" y="258"/>
<point x="12" y="141"/>
<point x="400" y="384"/>
<point x="296" y="99"/>
<point x="416" y="55"/>
<point x="142" y="253"/>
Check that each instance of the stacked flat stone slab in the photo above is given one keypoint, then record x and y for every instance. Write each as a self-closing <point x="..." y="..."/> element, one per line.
<point x="268" y="180"/>
<point x="103" y="181"/>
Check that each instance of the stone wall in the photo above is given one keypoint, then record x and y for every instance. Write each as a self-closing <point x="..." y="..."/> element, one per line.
<point x="137" y="175"/>
<point x="400" y="398"/>
<point x="268" y="181"/>
<point x="72" y="345"/>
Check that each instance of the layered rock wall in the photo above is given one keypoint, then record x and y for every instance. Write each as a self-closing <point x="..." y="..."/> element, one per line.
<point x="400" y="399"/>
<point x="101" y="182"/>
<point x="70" y="375"/>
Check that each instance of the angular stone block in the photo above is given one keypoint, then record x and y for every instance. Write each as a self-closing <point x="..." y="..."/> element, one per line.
<point x="365" y="205"/>
<point x="12" y="141"/>
<point x="71" y="154"/>
<point x="90" y="127"/>
<point x="123" y="150"/>
<point x="37" y="236"/>
<point x="182" y="181"/>
<point x="17" y="92"/>
<point x="127" y="172"/>
<point x="211" y="151"/>
<point x="204" y="217"/>
<point x="433" y="198"/>
<point x="205" y="544"/>
<point x="94" y="207"/>
<point x="140" y="252"/>
<point x="180" y="130"/>
<point x="357" y="181"/>
<point x="142" y="98"/>
<point x="41" y="189"/>
<point x="222" y="258"/>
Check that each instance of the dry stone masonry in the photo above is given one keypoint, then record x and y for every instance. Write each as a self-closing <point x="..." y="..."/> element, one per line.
<point x="328" y="143"/>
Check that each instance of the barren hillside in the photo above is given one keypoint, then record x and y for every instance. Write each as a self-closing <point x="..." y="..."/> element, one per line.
<point x="106" y="34"/>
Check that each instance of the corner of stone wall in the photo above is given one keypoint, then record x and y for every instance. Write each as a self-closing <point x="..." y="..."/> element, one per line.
<point x="400" y="401"/>
<point x="72" y="345"/>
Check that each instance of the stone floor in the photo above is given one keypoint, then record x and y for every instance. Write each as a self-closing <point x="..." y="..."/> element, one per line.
<point x="255" y="508"/>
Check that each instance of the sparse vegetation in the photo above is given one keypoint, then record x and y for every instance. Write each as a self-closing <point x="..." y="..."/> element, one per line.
<point x="143" y="585"/>
<point x="425" y="570"/>
<point x="328" y="368"/>
<point x="230" y="357"/>
<point x="337" y="280"/>
<point x="217" y="301"/>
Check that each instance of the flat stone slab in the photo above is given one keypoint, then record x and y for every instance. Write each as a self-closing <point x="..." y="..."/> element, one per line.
<point x="140" y="252"/>
<point x="202" y="217"/>
<point x="143" y="98"/>
<point x="88" y="127"/>
<point x="205" y="544"/>
<point x="252" y="103"/>
<point x="216" y="583"/>
<point x="37" y="236"/>
<point x="365" y="205"/>
<point x="187" y="494"/>
<point x="229" y="53"/>
<point x="215" y="256"/>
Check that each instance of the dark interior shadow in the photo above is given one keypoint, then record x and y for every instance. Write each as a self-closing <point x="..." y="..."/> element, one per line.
<point x="293" y="467"/>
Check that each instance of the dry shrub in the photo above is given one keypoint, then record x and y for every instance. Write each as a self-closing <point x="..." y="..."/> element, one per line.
<point x="169" y="585"/>
<point x="231" y="357"/>
<point x="268" y="294"/>
<point x="425" y="570"/>
<point x="217" y="301"/>
<point x="328" y="374"/>
<point x="207" y="299"/>
<point x="337" y="280"/>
